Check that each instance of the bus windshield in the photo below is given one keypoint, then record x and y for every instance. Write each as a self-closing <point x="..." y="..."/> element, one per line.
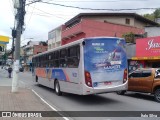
<point x="105" y="59"/>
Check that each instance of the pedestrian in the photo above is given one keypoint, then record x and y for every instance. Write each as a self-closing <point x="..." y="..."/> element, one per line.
<point x="9" y="71"/>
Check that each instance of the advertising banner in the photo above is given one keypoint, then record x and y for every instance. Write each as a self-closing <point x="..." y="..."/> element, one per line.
<point x="148" y="47"/>
<point x="105" y="59"/>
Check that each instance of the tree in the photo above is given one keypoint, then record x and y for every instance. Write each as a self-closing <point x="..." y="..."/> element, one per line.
<point x="149" y="16"/>
<point x="129" y="37"/>
<point x="157" y="13"/>
<point x="154" y="15"/>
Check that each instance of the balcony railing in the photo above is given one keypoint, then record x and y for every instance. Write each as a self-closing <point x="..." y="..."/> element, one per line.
<point x="68" y="32"/>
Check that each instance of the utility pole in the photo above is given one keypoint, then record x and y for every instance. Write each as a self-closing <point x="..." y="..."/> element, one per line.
<point x="20" y="22"/>
<point x="13" y="38"/>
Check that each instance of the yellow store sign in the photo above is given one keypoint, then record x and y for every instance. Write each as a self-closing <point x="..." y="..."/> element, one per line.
<point x="4" y="39"/>
<point x="146" y="58"/>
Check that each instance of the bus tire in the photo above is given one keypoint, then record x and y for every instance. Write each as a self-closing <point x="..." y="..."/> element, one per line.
<point x="57" y="88"/>
<point x="157" y="95"/>
<point x="122" y="92"/>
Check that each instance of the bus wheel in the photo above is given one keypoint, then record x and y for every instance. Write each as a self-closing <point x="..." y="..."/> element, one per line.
<point x="122" y="92"/>
<point x="57" y="88"/>
<point x="157" y="95"/>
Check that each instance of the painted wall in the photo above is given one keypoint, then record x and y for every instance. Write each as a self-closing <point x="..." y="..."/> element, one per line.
<point x="54" y="38"/>
<point x="39" y="49"/>
<point x="72" y="39"/>
<point x="92" y="28"/>
<point x="152" y="31"/>
<point x="114" y="19"/>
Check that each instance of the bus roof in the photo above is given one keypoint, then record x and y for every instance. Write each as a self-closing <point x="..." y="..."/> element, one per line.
<point x="74" y="43"/>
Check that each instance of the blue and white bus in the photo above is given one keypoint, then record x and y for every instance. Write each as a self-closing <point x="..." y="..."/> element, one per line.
<point x="87" y="66"/>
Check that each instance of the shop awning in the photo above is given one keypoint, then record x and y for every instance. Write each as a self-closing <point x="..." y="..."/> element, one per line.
<point x="146" y="58"/>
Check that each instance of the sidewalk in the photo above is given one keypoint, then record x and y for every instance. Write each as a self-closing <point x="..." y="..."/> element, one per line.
<point x="23" y="100"/>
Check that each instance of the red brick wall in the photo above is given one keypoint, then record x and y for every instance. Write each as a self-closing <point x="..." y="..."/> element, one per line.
<point x="95" y="28"/>
<point x="78" y="36"/>
<point x="39" y="49"/>
<point x="92" y="28"/>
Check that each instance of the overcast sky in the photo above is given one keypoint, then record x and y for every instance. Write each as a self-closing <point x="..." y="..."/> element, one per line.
<point x="40" y="17"/>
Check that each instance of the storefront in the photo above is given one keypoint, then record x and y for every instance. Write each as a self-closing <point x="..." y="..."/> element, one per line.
<point x="147" y="54"/>
<point x="4" y="40"/>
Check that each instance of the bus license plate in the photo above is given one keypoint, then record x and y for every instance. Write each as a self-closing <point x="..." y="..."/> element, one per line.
<point x="108" y="83"/>
<point x="104" y="83"/>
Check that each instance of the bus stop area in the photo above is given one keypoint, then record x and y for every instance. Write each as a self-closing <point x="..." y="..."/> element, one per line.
<point x="23" y="100"/>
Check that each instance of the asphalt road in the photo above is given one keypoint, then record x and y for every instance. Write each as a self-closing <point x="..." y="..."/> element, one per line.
<point x="101" y="102"/>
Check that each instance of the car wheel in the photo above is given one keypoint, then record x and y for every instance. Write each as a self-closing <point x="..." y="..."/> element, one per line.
<point x="157" y="95"/>
<point x="122" y="92"/>
<point x="57" y="88"/>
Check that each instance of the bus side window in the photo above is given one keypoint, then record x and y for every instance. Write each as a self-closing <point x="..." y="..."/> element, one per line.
<point x="73" y="56"/>
<point x="56" y="59"/>
<point x="78" y="52"/>
<point x="39" y="65"/>
<point x="49" y="56"/>
<point x="63" y="58"/>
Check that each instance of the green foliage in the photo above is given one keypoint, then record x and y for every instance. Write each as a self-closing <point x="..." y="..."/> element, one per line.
<point x="129" y="37"/>
<point x="5" y="56"/>
<point x="154" y="15"/>
<point x="149" y="16"/>
<point x="157" y="13"/>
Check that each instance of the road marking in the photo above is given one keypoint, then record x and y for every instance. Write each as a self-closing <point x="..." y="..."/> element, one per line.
<point x="47" y="103"/>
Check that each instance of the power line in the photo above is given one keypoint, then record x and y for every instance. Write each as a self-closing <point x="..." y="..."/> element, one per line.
<point x="98" y="1"/>
<point x="11" y="7"/>
<point x="33" y="2"/>
<point x="57" y="12"/>
<point x="49" y="14"/>
<point x="96" y="8"/>
<point x="31" y="14"/>
<point x="39" y="14"/>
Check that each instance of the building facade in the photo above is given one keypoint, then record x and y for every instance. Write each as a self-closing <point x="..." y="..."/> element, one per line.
<point x="32" y="48"/>
<point x="147" y="53"/>
<point x="103" y="24"/>
<point x="4" y="40"/>
<point x="54" y="38"/>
